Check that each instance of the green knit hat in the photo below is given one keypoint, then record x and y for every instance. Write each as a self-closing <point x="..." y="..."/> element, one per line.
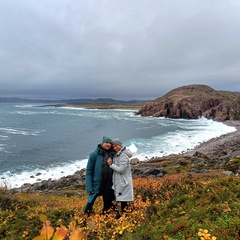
<point x="106" y="139"/>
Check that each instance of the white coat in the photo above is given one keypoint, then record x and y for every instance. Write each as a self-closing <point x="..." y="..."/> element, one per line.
<point x="122" y="176"/>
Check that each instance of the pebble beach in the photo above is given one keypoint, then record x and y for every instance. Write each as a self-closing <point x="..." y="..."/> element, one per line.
<point x="222" y="142"/>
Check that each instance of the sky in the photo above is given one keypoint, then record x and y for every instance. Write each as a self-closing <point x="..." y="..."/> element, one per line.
<point x="122" y="49"/>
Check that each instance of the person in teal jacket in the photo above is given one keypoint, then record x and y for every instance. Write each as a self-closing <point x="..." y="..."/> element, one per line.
<point x="99" y="176"/>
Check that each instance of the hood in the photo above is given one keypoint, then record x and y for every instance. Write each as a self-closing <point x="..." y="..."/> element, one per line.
<point x="126" y="151"/>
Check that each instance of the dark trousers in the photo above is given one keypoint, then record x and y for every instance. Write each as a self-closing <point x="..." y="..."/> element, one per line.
<point x="108" y="197"/>
<point x="124" y="206"/>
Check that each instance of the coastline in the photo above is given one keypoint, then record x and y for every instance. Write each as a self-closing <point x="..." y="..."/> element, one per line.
<point x="220" y="153"/>
<point x="100" y="105"/>
<point x="221" y="142"/>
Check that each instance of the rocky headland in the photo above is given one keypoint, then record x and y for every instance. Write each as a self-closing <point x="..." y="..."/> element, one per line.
<point x="194" y="101"/>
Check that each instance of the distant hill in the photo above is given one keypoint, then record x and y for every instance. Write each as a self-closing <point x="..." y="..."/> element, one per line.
<point x="62" y="101"/>
<point x="194" y="101"/>
<point x="24" y="100"/>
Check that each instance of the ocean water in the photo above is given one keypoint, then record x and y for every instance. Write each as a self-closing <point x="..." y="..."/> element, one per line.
<point x="38" y="143"/>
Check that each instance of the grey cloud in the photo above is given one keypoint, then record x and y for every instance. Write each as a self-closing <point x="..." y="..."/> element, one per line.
<point x="124" y="49"/>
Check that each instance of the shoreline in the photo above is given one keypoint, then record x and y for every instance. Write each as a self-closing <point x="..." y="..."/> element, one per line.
<point x="200" y="159"/>
<point x="217" y="154"/>
<point x="223" y="141"/>
<point x="100" y="105"/>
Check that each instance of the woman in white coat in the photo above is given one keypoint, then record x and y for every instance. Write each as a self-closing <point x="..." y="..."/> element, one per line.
<point x="122" y="175"/>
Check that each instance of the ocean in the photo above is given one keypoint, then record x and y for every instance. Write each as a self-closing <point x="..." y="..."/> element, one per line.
<point x="39" y="143"/>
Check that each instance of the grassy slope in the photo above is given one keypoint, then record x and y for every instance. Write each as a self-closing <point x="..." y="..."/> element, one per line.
<point x="173" y="207"/>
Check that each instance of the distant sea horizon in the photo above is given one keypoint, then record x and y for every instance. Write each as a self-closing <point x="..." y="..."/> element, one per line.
<point x="40" y="143"/>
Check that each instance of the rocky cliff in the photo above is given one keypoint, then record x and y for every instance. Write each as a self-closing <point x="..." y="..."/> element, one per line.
<point x="194" y="101"/>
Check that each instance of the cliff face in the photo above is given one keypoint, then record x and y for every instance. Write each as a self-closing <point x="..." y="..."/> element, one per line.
<point x="194" y="101"/>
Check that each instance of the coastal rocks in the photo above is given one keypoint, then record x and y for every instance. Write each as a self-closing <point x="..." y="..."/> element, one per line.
<point x="134" y="161"/>
<point x="194" y="101"/>
<point x="228" y="110"/>
<point x="199" y="161"/>
<point x="77" y="179"/>
<point x="147" y="170"/>
<point x="222" y="153"/>
<point x="234" y="164"/>
<point x="227" y="173"/>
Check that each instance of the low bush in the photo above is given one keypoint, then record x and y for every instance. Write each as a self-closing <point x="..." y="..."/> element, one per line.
<point x="179" y="206"/>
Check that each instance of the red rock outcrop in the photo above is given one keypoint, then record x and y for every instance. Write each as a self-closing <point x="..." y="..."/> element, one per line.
<point x="194" y="101"/>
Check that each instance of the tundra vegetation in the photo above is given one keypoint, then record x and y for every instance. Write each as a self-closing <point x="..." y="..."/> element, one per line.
<point x="177" y="206"/>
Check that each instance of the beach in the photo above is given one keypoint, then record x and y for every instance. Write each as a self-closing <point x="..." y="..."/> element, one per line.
<point x="218" y="154"/>
<point x="229" y="140"/>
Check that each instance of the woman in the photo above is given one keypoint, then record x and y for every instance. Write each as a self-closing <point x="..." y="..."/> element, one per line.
<point x="122" y="175"/>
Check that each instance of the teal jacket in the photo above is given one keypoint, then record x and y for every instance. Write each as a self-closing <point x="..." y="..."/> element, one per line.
<point x="94" y="171"/>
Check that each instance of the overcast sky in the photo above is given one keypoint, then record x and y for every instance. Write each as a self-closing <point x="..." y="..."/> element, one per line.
<point x="123" y="49"/>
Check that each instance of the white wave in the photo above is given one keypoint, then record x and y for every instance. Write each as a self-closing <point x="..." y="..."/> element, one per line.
<point x="24" y="106"/>
<point x="37" y="112"/>
<point x="2" y="147"/>
<point x="21" y="131"/>
<point x="75" y="108"/>
<point x="16" y="180"/>
<point x="179" y="141"/>
<point x="3" y="137"/>
<point x="82" y="112"/>
<point x="132" y="148"/>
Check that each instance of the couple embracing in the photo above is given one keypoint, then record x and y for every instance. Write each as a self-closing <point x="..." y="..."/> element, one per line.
<point x="108" y="174"/>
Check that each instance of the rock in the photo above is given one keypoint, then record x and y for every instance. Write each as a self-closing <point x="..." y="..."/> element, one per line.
<point x="134" y="161"/>
<point x="199" y="170"/>
<point x="77" y="179"/>
<point x="194" y="101"/>
<point x="160" y="175"/>
<point x="227" y="173"/>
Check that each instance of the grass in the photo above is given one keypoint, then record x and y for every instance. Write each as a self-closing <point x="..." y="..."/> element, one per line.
<point x="178" y="206"/>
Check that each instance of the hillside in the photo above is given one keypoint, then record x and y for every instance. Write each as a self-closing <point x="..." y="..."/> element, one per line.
<point x="194" y="101"/>
<point x="178" y="206"/>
